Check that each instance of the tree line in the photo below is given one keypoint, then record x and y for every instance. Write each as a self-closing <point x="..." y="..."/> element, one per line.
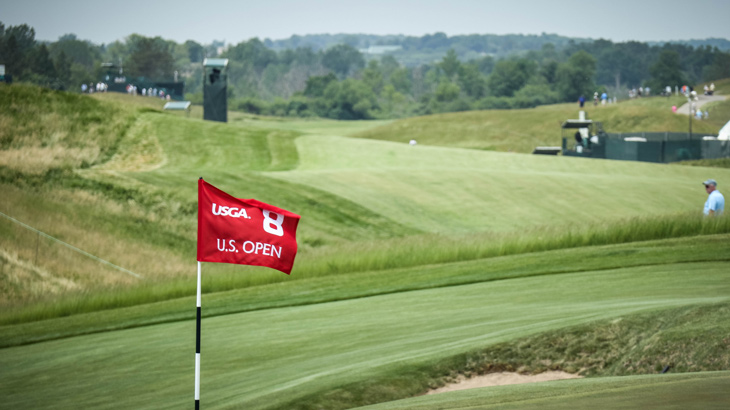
<point x="342" y="82"/>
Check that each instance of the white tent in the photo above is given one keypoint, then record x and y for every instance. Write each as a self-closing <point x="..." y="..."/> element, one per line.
<point x="724" y="132"/>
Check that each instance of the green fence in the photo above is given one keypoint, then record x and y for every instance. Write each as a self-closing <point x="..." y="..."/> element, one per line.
<point x="660" y="147"/>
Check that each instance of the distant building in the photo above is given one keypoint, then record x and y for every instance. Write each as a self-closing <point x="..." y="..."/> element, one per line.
<point x="375" y="50"/>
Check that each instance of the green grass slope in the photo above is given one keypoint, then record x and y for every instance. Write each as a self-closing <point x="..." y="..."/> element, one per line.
<point x="42" y="129"/>
<point x="112" y="310"/>
<point x="523" y="130"/>
<point x="455" y="191"/>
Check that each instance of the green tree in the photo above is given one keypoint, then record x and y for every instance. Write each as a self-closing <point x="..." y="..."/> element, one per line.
<point x="150" y="58"/>
<point x="349" y="100"/>
<point x="486" y="65"/>
<point x="24" y="36"/>
<point x="196" y="52"/>
<point x="549" y="71"/>
<point x="509" y="76"/>
<point x="401" y="80"/>
<point x="252" y="53"/>
<point x="343" y="59"/>
<point x="435" y="40"/>
<point x="316" y="85"/>
<point x="42" y="68"/>
<point x="388" y="65"/>
<point x="548" y="52"/>
<point x="575" y="77"/>
<point x="450" y="64"/>
<point x="472" y="81"/>
<point x="720" y="67"/>
<point x="620" y="63"/>
<point x="447" y="91"/>
<point x="300" y="57"/>
<point x="77" y="51"/>
<point x="63" y="70"/>
<point x="533" y="95"/>
<point x="16" y="45"/>
<point x="13" y="57"/>
<point x="393" y="102"/>
<point x="373" y="77"/>
<point x="666" y="71"/>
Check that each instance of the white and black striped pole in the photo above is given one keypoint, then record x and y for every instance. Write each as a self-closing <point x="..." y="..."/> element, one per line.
<point x="197" y="349"/>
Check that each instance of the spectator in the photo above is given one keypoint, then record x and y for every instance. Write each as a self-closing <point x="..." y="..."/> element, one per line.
<point x="715" y="203"/>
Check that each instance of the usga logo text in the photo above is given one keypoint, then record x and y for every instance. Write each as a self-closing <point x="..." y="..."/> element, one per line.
<point x="228" y="211"/>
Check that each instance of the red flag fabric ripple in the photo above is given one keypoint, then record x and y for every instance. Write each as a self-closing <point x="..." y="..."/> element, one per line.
<point x="244" y="231"/>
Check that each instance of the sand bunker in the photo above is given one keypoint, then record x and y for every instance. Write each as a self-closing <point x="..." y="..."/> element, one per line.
<point x="501" y="379"/>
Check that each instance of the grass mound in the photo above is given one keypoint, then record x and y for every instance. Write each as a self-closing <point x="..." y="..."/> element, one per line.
<point x="523" y="130"/>
<point x="42" y="129"/>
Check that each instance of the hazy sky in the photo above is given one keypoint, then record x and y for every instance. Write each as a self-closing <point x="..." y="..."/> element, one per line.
<point x="104" y="21"/>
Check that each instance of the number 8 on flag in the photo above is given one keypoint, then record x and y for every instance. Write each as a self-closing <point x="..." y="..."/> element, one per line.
<point x="244" y="231"/>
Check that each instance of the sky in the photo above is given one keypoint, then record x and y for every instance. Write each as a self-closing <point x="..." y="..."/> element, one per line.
<point x="234" y="21"/>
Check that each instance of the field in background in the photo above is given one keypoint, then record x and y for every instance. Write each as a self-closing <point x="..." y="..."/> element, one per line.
<point x="410" y="256"/>
<point x="523" y="130"/>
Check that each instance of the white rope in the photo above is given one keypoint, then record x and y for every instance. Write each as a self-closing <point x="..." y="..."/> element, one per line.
<point x="70" y="246"/>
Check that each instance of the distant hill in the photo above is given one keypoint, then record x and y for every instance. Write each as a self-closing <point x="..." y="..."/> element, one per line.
<point x="721" y="43"/>
<point x="411" y="50"/>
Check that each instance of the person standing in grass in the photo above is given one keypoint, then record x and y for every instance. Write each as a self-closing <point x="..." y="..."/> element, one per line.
<point x="715" y="203"/>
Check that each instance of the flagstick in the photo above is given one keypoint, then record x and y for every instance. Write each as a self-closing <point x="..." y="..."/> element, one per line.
<point x="197" y="349"/>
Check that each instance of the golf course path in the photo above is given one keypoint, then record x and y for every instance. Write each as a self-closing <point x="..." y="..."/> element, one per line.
<point x="701" y="100"/>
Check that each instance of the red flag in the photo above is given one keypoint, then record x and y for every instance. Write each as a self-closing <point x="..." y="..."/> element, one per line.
<point x="244" y="231"/>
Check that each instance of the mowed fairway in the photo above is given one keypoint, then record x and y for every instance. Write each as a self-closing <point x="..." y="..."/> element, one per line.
<point x="272" y="358"/>
<point x="457" y="190"/>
